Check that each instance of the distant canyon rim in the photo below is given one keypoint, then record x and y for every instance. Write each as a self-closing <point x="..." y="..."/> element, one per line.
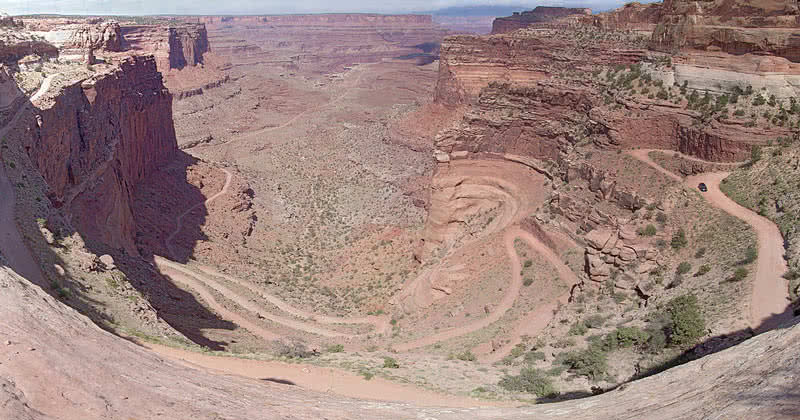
<point x="392" y="216"/>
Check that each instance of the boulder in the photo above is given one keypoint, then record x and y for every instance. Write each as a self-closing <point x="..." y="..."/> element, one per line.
<point x="598" y="238"/>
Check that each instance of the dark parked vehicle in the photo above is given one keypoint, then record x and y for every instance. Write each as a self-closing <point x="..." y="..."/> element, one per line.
<point x="702" y="187"/>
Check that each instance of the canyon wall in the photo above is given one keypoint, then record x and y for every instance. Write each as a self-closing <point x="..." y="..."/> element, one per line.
<point x="732" y="26"/>
<point x="630" y="17"/>
<point x="340" y="19"/>
<point x="540" y="14"/>
<point x="468" y="63"/>
<point x="96" y="138"/>
<point x="174" y="46"/>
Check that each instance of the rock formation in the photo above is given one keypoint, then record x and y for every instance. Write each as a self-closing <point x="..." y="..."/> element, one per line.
<point x="106" y="36"/>
<point x="187" y="44"/>
<point x="96" y="138"/>
<point x="540" y="14"/>
<point x="735" y="27"/>
<point x="631" y="17"/>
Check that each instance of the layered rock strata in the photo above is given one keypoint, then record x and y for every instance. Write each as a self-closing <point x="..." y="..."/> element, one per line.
<point x="95" y="139"/>
<point x="540" y="14"/>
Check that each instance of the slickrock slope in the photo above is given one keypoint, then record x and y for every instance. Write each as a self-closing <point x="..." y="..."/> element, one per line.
<point x="540" y="14"/>
<point x="57" y="365"/>
<point x="94" y="139"/>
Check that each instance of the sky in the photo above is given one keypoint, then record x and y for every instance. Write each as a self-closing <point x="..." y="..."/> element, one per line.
<point x="218" y="7"/>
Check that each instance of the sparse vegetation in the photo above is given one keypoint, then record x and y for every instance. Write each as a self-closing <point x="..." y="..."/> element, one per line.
<point x="531" y="381"/>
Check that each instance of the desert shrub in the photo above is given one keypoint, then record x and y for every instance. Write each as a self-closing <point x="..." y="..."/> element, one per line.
<point x="578" y="328"/>
<point x="750" y="255"/>
<point x="683" y="268"/>
<point x="527" y="263"/>
<point x="564" y="343"/>
<point x="687" y="323"/>
<point x="466" y="356"/>
<point x="594" y="321"/>
<point x="739" y="274"/>
<point x="759" y="100"/>
<point x="335" y="348"/>
<point x="293" y="350"/>
<point x="755" y="153"/>
<point x="625" y="337"/>
<point x="661" y="218"/>
<point x="648" y="230"/>
<point x="531" y="381"/>
<point x="739" y="113"/>
<point x="533" y="356"/>
<point x="704" y="269"/>
<point x="591" y="362"/>
<point x="527" y="282"/>
<point x="679" y="239"/>
<point x="700" y="253"/>
<point x="390" y="363"/>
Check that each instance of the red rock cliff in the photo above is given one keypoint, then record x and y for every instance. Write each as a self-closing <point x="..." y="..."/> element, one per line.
<point x="97" y="139"/>
<point x="187" y="44"/>
<point x="540" y="14"/>
<point x="732" y="26"/>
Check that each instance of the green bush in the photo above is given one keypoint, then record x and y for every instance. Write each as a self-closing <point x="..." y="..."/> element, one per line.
<point x="466" y="356"/>
<point x="335" y="348"/>
<point x="527" y="282"/>
<point x="390" y="363"/>
<point x="529" y="380"/>
<point x="527" y="263"/>
<point x="679" y="239"/>
<point x="687" y="323"/>
<point x="755" y="153"/>
<point x="591" y="362"/>
<point x="533" y="356"/>
<point x="740" y="274"/>
<point x="594" y="321"/>
<point x="683" y="268"/>
<point x="700" y="253"/>
<point x="704" y="269"/>
<point x="751" y="254"/>
<point x="648" y="230"/>
<point x="625" y="337"/>
<point x="578" y="328"/>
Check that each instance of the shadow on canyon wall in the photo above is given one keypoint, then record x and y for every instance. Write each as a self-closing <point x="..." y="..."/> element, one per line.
<point x="178" y="308"/>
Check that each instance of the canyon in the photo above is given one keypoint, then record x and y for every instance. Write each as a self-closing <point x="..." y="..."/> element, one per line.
<point x="349" y="215"/>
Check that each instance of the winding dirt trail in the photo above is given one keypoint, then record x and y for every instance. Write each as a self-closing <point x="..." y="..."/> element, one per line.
<point x="540" y="317"/>
<point x="770" y="297"/>
<point x="44" y="87"/>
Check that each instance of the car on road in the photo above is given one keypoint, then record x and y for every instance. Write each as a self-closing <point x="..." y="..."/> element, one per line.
<point x="702" y="187"/>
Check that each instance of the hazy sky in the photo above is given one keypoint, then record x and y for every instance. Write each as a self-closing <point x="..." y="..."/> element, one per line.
<point x="199" y="7"/>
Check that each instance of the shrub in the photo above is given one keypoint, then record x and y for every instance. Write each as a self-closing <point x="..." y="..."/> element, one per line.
<point x="679" y="239"/>
<point x="594" y="321"/>
<point x="335" y="348"/>
<point x="527" y="282"/>
<point x="564" y="343"/>
<point x="648" y="230"/>
<point x="591" y="362"/>
<point x="578" y="328"/>
<point x="390" y="363"/>
<point x="661" y="218"/>
<point x="466" y="356"/>
<point x="739" y="274"/>
<point x="293" y="350"/>
<point x="755" y="154"/>
<point x="751" y="254"/>
<point x="705" y="268"/>
<point x="625" y="337"/>
<point x="530" y="380"/>
<point x="527" y="263"/>
<point x="687" y="323"/>
<point x="683" y="268"/>
<point x="700" y="253"/>
<point x="533" y="356"/>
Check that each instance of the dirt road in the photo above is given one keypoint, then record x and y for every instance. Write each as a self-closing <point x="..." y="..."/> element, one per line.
<point x="539" y="317"/>
<point x="770" y="296"/>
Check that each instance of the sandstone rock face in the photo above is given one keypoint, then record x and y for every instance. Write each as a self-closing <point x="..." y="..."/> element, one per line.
<point x="468" y="63"/>
<point x="632" y="16"/>
<point x="540" y="14"/>
<point x="732" y="26"/>
<point x="105" y="36"/>
<point x="97" y="139"/>
<point x="187" y="44"/>
<point x="174" y="47"/>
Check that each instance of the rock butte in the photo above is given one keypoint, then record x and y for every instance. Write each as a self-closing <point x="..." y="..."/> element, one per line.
<point x="449" y="157"/>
